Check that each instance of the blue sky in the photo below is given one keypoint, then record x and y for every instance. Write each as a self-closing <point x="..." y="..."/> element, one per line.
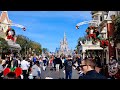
<point x="48" y="27"/>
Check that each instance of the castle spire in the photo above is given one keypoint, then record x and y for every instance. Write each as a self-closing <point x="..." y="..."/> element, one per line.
<point x="64" y="35"/>
<point x="64" y="39"/>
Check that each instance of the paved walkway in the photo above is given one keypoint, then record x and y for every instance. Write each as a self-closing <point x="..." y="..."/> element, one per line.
<point x="56" y="75"/>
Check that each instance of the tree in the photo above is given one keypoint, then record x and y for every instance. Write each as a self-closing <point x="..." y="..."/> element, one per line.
<point x="22" y="41"/>
<point x="3" y="43"/>
<point x="4" y="47"/>
<point x="78" y="42"/>
<point x="37" y="47"/>
<point x="44" y="50"/>
<point x="117" y="29"/>
<point x="26" y="44"/>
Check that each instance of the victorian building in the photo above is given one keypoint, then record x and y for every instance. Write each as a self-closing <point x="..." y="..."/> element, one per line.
<point x="91" y="47"/>
<point x="5" y="33"/>
<point x="99" y="36"/>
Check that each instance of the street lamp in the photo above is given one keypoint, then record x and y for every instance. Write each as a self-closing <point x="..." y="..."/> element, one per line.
<point x="112" y="43"/>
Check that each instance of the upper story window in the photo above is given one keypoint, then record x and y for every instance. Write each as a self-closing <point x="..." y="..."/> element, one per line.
<point x="101" y="19"/>
<point x="105" y="17"/>
<point x="95" y="17"/>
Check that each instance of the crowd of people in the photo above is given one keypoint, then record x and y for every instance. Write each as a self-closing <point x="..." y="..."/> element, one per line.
<point x="30" y="67"/>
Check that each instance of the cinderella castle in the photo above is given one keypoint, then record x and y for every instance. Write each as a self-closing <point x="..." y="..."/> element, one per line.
<point x="63" y="49"/>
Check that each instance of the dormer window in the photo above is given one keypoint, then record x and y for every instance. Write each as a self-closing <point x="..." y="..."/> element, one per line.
<point x="95" y="17"/>
<point x="105" y="17"/>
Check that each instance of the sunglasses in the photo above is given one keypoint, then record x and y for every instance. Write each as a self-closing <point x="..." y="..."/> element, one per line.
<point x="82" y="65"/>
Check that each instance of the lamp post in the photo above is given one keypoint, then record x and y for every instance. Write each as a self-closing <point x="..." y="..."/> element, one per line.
<point x="110" y="31"/>
<point x="112" y="43"/>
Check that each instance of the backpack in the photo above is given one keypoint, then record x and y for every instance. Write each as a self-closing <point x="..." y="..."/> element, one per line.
<point x="69" y="65"/>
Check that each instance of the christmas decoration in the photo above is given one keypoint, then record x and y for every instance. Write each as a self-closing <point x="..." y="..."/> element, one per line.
<point x="104" y="43"/>
<point x="93" y="36"/>
<point x="10" y="33"/>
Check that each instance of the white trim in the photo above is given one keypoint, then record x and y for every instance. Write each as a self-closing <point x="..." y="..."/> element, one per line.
<point x="109" y="21"/>
<point x="98" y="13"/>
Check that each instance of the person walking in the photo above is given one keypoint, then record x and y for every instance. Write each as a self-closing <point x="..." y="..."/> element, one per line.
<point x="44" y="63"/>
<point x="36" y="70"/>
<point x="58" y="63"/>
<point x="8" y="62"/>
<point x="68" y="67"/>
<point x="15" y="62"/>
<point x="25" y="66"/>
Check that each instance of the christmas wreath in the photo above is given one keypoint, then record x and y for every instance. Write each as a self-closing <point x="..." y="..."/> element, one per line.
<point x="93" y="36"/>
<point x="10" y="33"/>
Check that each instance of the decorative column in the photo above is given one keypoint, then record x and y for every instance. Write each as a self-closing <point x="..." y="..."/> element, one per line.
<point x="83" y="55"/>
<point x="83" y="52"/>
<point x="110" y="31"/>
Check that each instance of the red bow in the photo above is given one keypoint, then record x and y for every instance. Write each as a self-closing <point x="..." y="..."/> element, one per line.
<point x="104" y="42"/>
<point x="10" y="37"/>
